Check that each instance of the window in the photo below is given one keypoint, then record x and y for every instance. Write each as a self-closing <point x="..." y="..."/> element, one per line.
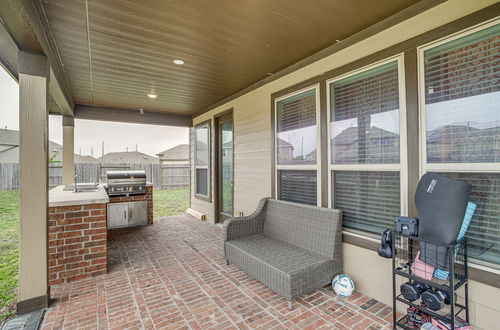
<point x="365" y="196"/>
<point x="460" y="97"/>
<point x="298" y="186"/>
<point x="202" y="157"/>
<point x="367" y="174"/>
<point x="296" y="146"/>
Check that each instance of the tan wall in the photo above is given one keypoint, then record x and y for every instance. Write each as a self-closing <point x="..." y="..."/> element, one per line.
<point x="484" y="299"/>
<point x="252" y="151"/>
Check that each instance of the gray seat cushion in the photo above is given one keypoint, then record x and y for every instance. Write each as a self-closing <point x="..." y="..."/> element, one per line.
<point x="280" y="265"/>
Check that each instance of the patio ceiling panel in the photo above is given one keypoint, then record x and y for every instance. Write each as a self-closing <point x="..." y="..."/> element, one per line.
<point x="68" y="25"/>
<point x="75" y="60"/>
<point x="226" y="45"/>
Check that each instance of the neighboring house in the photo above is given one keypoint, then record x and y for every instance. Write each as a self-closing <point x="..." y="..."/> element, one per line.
<point x="285" y="151"/>
<point x="127" y="157"/>
<point x="9" y="146"/>
<point x="463" y="142"/>
<point x="9" y="149"/>
<point x="174" y="167"/>
<point x="377" y="143"/>
<point x="176" y="155"/>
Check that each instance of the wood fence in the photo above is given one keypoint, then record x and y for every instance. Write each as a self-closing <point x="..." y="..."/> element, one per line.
<point x="168" y="177"/>
<point x="175" y="176"/>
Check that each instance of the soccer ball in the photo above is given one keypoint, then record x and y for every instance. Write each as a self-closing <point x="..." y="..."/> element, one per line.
<point x="343" y="285"/>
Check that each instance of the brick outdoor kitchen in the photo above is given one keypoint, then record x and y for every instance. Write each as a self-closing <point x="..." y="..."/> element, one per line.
<point x="78" y="231"/>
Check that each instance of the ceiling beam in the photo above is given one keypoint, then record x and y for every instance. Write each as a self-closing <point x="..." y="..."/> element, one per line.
<point x="59" y="85"/>
<point x="131" y="116"/>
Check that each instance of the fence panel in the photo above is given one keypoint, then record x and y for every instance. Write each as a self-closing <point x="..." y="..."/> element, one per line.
<point x="175" y="176"/>
<point x="87" y="172"/>
<point x="9" y="176"/>
<point x="55" y="175"/>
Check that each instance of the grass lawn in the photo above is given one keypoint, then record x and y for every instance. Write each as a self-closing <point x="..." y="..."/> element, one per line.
<point x="9" y="215"/>
<point x="165" y="202"/>
<point x="169" y="202"/>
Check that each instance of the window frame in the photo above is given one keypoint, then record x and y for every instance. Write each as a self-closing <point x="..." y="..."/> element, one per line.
<point x="447" y="167"/>
<point x="208" y="167"/>
<point x="424" y="166"/>
<point x="401" y="167"/>
<point x="298" y="167"/>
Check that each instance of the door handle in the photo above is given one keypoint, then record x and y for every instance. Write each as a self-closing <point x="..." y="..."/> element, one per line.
<point x="125" y="214"/>
<point x="130" y="213"/>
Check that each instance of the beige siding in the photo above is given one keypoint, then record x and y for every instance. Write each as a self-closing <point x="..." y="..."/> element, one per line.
<point x="252" y="152"/>
<point x="484" y="299"/>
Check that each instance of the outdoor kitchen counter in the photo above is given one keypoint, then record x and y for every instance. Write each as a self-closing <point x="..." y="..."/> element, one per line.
<point x="60" y="197"/>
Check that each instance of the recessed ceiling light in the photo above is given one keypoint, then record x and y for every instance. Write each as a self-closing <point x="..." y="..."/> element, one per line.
<point x="152" y="95"/>
<point x="179" y="62"/>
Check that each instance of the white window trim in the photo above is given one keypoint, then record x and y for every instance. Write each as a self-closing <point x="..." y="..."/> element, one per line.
<point x="207" y="124"/>
<point x="402" y="167"/>
<point x="425" y="167"/>
<point x="445" y="167"/>
<point x="311" y="167"/>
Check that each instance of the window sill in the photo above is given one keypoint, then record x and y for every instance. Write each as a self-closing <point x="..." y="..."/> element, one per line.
<point x="203" y="198"/>
<point x="478" y="273"/>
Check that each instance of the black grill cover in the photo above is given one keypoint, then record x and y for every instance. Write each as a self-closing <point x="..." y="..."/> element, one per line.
<point x="441" y="204"/>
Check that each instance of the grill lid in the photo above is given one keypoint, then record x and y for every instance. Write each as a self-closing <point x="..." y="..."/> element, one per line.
<point x="126" y="175"/>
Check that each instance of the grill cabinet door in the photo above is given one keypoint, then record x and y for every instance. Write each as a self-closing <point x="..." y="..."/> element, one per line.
<point x="117" y="215"/>
<point x="138" y="213"/>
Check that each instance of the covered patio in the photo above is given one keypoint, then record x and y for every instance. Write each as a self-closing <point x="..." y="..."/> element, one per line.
<point x="172" y="276"/>
<point x="336" y="104"/>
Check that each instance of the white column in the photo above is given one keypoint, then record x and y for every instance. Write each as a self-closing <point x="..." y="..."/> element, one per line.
<point x="33" y="181"/>
<point x="68" y="149"/>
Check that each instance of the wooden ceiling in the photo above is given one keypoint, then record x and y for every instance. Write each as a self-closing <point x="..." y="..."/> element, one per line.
<point x="115" y="52"/>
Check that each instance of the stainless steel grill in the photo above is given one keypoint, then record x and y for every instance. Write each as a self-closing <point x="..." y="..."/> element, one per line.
<point x="126" y="182"/>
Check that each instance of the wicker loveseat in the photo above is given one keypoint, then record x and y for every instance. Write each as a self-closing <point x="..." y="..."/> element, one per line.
<point x="291" y="248"/>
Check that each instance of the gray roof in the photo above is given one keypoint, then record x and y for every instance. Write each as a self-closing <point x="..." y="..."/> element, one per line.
<point x="78" y="158"/>
<point x="180" y="152"/>
<point x="283" y="144"/>
<point x="351" y="135"/>
<point x="131" y="157"/>
<point x="10" y="139"/>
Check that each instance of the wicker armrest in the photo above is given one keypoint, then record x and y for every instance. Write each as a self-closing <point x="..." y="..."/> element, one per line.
<point x="244" y="226"/>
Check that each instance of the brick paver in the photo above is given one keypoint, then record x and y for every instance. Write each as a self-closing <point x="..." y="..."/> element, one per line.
<point x="172" y="276"/>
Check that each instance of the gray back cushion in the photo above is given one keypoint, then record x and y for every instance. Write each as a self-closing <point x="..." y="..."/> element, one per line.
<point x="312" y="228"/>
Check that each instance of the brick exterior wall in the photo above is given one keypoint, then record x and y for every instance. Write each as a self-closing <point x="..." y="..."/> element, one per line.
<point x="77" y="242"/>
<point x="138" y="198"/>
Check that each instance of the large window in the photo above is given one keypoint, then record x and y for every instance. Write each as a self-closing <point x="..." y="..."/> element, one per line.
<point x="366" y="118"/>
<point x="296" y="146"/>
<point x="460" y="99"/>
<point x="202" y="160"/>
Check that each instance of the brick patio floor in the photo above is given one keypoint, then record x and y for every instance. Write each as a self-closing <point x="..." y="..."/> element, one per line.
<point x="172" y="275"/>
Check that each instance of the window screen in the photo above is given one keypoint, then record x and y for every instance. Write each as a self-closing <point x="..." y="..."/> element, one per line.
<point x="298" y="186"/>
<point x="462" y="97"/>
<point x="365" y="117"/>
<point x="484" y="230"/>
<point x="296" y="129"/>
<point x="369" y="200"/>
